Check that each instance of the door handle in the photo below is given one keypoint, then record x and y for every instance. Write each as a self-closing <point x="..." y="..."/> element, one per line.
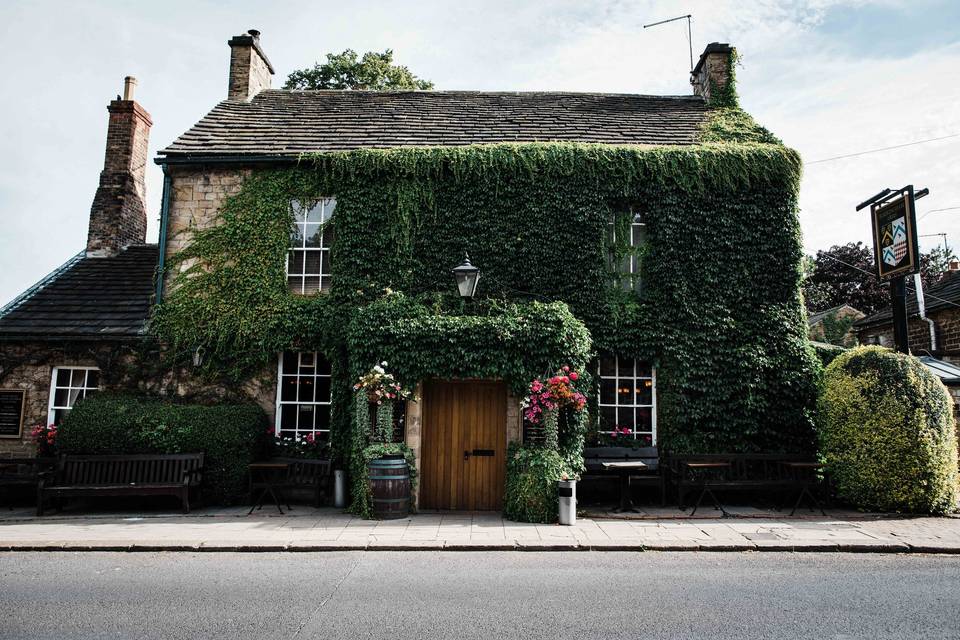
<point x="466" y="455"/>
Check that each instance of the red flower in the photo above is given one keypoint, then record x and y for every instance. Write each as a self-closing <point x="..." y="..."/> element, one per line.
<point x="574" y="375"/>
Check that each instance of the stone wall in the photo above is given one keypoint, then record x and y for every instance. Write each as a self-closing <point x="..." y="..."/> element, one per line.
<point x="195" y="198"/>
<point x="947" y="331"/>
<point x="30" y="368"/>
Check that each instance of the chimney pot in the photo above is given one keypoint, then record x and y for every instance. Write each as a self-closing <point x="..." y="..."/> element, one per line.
<point x="254" y="33"/>
<point x="954" y="265"/>
<point x="129" y="86"/>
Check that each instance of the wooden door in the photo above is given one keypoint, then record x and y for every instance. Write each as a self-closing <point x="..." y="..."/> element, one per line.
<point x="464" y="445"/>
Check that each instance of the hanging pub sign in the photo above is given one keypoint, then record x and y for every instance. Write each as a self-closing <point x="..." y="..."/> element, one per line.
<point x="11" y="412"/>
<point x="895" y="235"/>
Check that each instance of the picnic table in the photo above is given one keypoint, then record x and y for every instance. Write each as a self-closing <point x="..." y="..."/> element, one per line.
<point x="624" y="469"/>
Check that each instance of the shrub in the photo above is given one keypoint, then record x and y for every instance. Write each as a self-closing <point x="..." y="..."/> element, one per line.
<point x="887" y="433"/>
<point x="531" y="485"/>
<point x="230" y="435"/>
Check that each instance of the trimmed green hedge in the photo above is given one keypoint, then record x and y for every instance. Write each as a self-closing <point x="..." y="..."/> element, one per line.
<point x="887" y="433"/>
<point x="530" y="494"/>
<point x="231" y="435"/>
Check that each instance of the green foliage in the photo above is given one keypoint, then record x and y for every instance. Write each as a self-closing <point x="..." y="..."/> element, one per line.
<point x="888" y="434"/>
<point x="230" y="436"/>
<point x="374" y="72"/>
<point x="826" y="353"/>
<point x="720" y="312"/>
<point x="362" y="451"/>
<point x="836" y="329"/>
<point x="530" y="494"/>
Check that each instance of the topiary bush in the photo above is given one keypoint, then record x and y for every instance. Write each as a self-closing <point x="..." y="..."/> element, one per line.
<point x="530" y="494"/>
<point x="230" y="435"/>
<point x="887" y="433"/>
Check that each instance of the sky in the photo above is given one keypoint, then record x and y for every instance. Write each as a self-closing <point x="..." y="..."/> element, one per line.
<point x="831" y="78"/>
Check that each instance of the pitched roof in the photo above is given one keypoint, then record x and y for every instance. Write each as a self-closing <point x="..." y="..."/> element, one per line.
<point x="943" y="295"/>
<point x="817" y="317"/>
<point x="279" y="122"/>
<point x="87" y="297"/>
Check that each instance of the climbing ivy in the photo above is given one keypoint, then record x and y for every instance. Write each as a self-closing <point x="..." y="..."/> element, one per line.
<point x="719" y="315"/>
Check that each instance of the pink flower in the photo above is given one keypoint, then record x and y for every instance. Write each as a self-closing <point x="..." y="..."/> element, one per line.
<point x="566" y="368"/>
<point x="574" y="375"/>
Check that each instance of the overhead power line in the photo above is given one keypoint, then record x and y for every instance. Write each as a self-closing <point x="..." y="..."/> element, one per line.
<point x="896" y="146"/>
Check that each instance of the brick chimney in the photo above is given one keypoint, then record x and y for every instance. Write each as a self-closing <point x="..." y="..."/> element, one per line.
<point x="118" y="217"/>
<point x="713" y="71"/>
<point x="250" y="70"/>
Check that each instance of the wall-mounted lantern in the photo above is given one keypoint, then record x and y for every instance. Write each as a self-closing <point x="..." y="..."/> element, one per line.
<point x="467" y="277"/>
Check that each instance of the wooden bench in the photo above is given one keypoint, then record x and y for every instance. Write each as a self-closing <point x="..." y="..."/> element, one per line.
<point x="306" y="474"/>
<point x="595" y="457"/>
<point x="22" y="472"/>
<point x="122" y="475"/>
<point x="764" y="472"/>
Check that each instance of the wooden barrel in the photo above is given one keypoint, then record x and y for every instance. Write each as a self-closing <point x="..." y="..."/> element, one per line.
<point x="389" y="487"/>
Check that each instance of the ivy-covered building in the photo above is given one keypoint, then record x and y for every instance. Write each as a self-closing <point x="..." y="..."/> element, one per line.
<point x="650" y="242"/>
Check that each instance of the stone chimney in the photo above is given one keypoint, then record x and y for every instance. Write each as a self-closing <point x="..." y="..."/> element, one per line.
<point x="713" y="71"/>
<point x="250" y="70"/>
<point x="118" y="217"/>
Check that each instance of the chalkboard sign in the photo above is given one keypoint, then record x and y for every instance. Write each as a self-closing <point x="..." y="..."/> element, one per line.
<point x="11" y="412"/>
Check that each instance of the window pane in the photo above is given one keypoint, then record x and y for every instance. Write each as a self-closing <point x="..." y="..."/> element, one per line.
<point x="312" y="238"/>
<point x="315" y="212"/>
<point x="288" y="416"/>
<point x="295" y="261"/>
<point x="312" y="265"/>
<point x="323" y="390"/>
<point x="329" y="206"/>
<point x="298" y="210"/>
<point x="288" y="388"/>
<point x="638" y="235"/>
<point x="325" y="283"/>
<point x="307" y="364"/>
<point x="608" y="418"/>
<point x="295" y="284"/>
<point x="311" y="284"/>
<point x="608" y="391"/>
<point x="289" y="363"/>
<point x="305" y="390"/>
<point x="323" y="365"/>
<point x="325" y="259"/>
<point x="93" y="379"/>
<point x="625" y="392"/>
<point x="644" y="419"/>
<point x="644" y="370"/>
<point x="59" y="415"/>
<point x="644" y="391"/>
<point x="79" y="378"/>
<point x="322" y="418"/>
<point x="625" y="367"/>
<point x="608" y="366"/>
<point x="328" y="236"/>
<point x="74" y="395"/>
<point x="60" y="398"/>
<point x="305" y="417"/>
<point x="63" y="377"/>
<point x="625" y="418"/>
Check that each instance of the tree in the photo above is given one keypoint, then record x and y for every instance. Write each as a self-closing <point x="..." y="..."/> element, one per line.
<point x="374" y="72"/>
<point x="844" y="274"/>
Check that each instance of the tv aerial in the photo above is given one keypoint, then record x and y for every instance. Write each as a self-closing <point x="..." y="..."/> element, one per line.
<point x="689" y="32"/>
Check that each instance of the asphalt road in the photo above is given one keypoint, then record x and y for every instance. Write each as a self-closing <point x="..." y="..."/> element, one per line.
<point x="478" y="595"/>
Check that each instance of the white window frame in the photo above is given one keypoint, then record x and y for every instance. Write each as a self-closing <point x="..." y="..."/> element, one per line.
<point x="329" y="205"/>
<point x="633" y="406"/>
<point x="297" y="433"/>
<point x="51" y="407"/>
<point x="631" y="268"/>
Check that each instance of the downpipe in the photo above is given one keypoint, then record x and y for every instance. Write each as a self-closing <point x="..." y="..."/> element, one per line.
<point x="922" y="308"/>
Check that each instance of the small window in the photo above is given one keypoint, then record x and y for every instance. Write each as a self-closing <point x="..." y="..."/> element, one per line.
<point x="308" y="260"/>
<point x="625" y="260"/>
<point x="628" y="398"/>
<point x="68" y="385"/>
<point x="303" y="396"/>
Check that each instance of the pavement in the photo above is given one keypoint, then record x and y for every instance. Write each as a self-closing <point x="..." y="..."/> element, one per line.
<point x="310" y="529"/>
<point x="480" y="595"/>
